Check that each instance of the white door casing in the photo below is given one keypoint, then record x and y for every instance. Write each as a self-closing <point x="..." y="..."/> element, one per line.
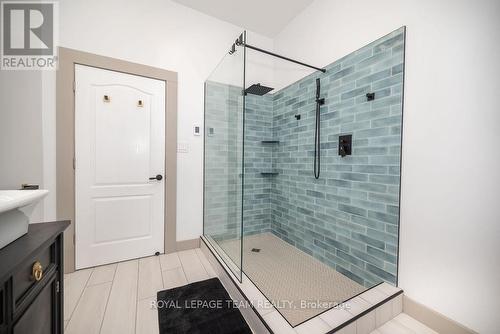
<point x="119" y="145"/>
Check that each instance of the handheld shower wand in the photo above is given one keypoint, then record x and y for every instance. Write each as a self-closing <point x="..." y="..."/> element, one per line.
<point x="317" y="133"/>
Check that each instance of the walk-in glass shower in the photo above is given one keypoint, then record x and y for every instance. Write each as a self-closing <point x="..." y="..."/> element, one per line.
<point x="302" y="172"/>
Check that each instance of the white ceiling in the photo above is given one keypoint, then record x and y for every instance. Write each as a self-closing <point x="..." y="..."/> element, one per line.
<point x="266" y="17"/>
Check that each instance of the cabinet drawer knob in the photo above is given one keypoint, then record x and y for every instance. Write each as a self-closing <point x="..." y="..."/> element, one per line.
<point x="37" y="271"/>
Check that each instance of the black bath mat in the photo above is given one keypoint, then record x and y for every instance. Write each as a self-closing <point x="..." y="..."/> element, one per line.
<point x="201" y="307"/>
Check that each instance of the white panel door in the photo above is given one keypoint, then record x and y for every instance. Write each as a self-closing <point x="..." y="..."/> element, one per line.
<point x="119" y="146"/>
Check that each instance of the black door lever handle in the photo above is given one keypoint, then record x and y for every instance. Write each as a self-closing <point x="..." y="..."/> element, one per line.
<point x="157" y="177"/>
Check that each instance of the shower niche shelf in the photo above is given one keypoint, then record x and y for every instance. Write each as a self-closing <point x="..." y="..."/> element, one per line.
<point x="269" y="173"/>
<point x="270" y="141"/>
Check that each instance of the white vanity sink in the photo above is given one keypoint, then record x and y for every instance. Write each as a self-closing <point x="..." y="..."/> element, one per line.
<point x="15" y="208"/>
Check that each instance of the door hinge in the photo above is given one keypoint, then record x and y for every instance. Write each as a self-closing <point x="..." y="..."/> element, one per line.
<point x="58" y="289"/>
<point x="74" y="86"/>
<point x="74" y="163"/>
<point x="73" y="239"/>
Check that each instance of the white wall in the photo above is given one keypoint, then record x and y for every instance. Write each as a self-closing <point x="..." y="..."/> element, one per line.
<point x="21" y="131"/>
<point x="158" y="33"/>
<point x="450" y="227"/>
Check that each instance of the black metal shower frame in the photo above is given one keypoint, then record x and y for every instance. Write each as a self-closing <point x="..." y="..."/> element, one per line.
<point x="242" y="42"/>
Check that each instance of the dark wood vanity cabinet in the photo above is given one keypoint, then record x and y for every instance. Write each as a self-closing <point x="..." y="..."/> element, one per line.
<point x="31" y="281"/>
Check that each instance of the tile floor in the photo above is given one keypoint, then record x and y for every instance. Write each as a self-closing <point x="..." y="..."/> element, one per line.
<point x="117" y="298"/>
<point x="403" y="324"/>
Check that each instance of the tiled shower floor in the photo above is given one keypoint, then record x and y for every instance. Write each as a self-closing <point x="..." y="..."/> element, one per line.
<point x="300" y="285"/>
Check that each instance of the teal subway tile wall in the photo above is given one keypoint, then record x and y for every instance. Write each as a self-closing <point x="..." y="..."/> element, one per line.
<point x="258" y="159"/>
<point x="224" y="146"/>
<point x="348" y="218"/>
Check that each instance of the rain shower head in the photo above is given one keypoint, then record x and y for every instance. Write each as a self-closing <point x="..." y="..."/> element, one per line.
<point x="258" y="89"/>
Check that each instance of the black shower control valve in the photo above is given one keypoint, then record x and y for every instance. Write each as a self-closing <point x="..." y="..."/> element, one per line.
<point x="297" y="117"/>
<point x="345" y="145"/>
<point x="370" y="96"/>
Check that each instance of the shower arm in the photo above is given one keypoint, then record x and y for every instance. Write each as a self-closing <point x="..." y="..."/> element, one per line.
<point x="240" y="42"/>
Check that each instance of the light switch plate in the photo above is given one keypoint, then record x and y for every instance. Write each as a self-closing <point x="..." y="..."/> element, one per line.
<point x="196" y="130"/>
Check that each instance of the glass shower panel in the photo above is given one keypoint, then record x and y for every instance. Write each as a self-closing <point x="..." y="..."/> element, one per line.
<point x="223" y="158"/>
<point x="329" y="238"/>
